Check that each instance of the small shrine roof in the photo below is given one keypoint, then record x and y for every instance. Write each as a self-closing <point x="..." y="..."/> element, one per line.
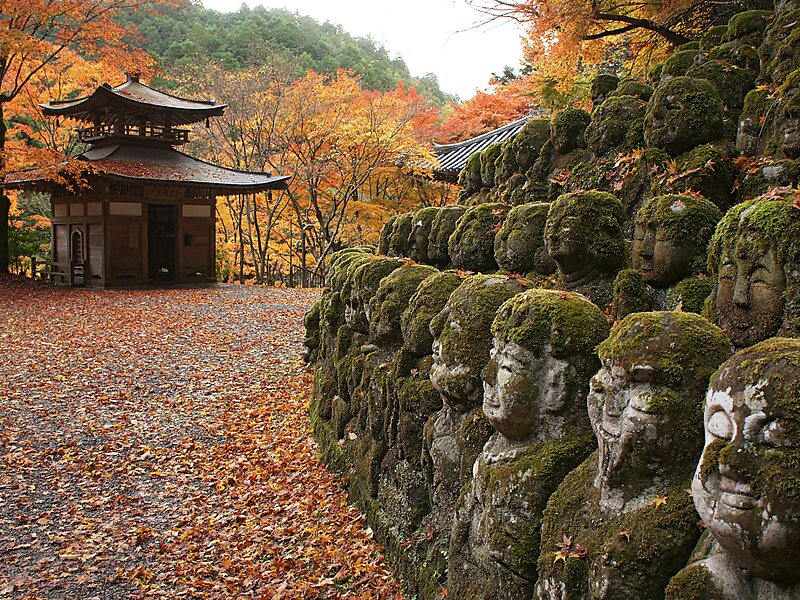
<point x="161" y="165"/>
<point x="453" y="157"/>
<point x="137" y="99"/>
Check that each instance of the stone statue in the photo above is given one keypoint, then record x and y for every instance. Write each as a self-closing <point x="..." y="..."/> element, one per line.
<point x="471" y="246"/>
<point x="420" y="233"/>
<point x="747" y="483"/>
<point x="519" y="245"/>
<point x="534" y="395"/>
<point x="454" y="436"/>
<point x="621" y="525"/>
<point x="756" y="263"/>
<point x="584" y="235"/>
<point x="442" y="227"/>
<point x="670" y="237"/>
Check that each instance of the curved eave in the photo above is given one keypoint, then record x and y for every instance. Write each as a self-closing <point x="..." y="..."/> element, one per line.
<point x="85" y="109"/>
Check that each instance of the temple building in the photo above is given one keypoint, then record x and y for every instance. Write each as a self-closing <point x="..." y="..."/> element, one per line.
<point x="147" y="215"/>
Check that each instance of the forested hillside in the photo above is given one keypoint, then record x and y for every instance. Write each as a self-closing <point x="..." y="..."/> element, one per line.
<point x="189" y="35"/>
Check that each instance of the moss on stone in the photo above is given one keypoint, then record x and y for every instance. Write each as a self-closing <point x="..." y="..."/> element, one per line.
<point x="567" y="130"/>
<point x="611" y="123"/>
<point x="749" y="27"/>
<point x="678" y="63"/>
<point x="386" y="234"/>
<point x="443" y="226"/>
<point x="471" y="246"/>
<point x="519" y="245"/>
<point x="488" y="158"/>
<point x="463" y="330"/>
<point x="529" y="141"/>
<point x="420" y="233"/>
<point x="391" y="299"/>
<point x="780" y="51"/>
<point x="340" y="265"/>
<point x="633" y="87"/>
<point x="469" y="178"/>
<point x="708" y="170"/>
<point x="601" y="87"/>
<point x="595" y="217"/>
<point x="429" y="299"/>
<point x="695" y="582"/>
<point x="689" y="295"/>
<point x="401" y="230"/>
<point x="631" y="294"/>
<point x="730" y="81"/>
<point x="472" y="436"/>
<point x="683" y="347"/>
<point x="766" y="176"/>
<point x="566" y="321"/>
<point x="713" y="36"/>
<point x="688" y="221"/>
<point x="682" y="114"/>
<point x="654" y="74"/>
<point x="755" y="122"/>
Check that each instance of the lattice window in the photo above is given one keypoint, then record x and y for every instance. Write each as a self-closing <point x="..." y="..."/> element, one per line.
<point x="117" y="188"/>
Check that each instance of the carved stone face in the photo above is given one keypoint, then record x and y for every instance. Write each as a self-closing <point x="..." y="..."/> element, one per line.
<point x="745" y="486"/>
<point x="662" y="261"/>
<point x="626" y="429"/>
<point x="355" y="314"/>
<point x="523" y="392"/>
<point x="750" y="290"/>
<point x="570" y="251"/>
<point x="788" y="124"/>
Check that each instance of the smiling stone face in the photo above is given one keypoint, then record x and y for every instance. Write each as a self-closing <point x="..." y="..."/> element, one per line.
<point x="645" y="403"/>
<point x="747" y="485"/>
<point x="757" y="266"/>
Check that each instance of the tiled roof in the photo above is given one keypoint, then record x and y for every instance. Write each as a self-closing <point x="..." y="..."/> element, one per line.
<point x="162" y="164"/>
<point x="453" y="157"/>
<point x="135" y="98"/>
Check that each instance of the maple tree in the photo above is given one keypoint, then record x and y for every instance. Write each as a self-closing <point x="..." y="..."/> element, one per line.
<point x="36" y="33"/>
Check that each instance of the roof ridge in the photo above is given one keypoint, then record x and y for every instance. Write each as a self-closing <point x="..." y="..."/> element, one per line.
<point x="131" y="80"/>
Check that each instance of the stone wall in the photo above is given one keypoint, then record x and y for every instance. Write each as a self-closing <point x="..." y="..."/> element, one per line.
<point x="520" y="390"/>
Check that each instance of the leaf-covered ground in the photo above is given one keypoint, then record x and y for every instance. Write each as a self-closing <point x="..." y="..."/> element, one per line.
<point x="155" y="443"/>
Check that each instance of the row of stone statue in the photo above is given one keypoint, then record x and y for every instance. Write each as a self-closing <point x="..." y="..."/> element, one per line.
<point x="458" y="405"/>
<point x="742" y="269"/>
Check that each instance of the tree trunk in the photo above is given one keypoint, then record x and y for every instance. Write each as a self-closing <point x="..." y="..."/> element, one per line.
<point x="5" y="203"/>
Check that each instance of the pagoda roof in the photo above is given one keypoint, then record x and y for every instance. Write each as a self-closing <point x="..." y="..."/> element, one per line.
<point x="453" y="157"/>
<point x="149" y="164"/>
<point x="136" y="99"/>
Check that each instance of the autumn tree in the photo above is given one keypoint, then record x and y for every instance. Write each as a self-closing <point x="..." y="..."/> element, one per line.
<point x="35" y="33"/>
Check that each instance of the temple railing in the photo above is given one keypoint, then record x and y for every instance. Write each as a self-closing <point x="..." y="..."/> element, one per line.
<point x="133" y="130"/>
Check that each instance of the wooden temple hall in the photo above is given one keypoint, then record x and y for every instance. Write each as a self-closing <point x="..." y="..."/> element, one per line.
<point x="148" y="214"/>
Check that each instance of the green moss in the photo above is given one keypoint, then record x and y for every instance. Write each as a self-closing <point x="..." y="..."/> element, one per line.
<point x="602" y="85"/>
<point x="386" y="234"/>
<point x="769" y="175"/>
<point x="638" y="564"/>
<point x="686" y="220"/>
<point x="593" y="216"/>
<point x="780" y="51"/>
<point x="463" y="329"/>
<point x="442" y="228"/>
<point x="678" y="63"/>
<point x="519" y="245"/>
<point x="341" y="264"/>
<point x="472" y="436"/>
<point x="755" y="121"/>
<point x="734" y="53"/>
<point x="695" y="582"/>
<point x="682" y="114"/>
<point x="529" y="141"/>
<point x="748" y="27"/>
<point x="488" y="158"/>
<point x="730" y="81"/>
<point x="631" y="293"/>
<point x="689" y="295"/>
<point x="420" y="233"/>
<point x="713" y="37"/>
<point x="566" y="321"/>
<point x="633" y="87"/>
<point x="567" y="130"/>
<point x="471" y="246"/>
<point x="654" y="74"/>
<point x="429" y="299"/>
<point x="391" y="299"/>
<point x="612" y="121"/>
<point x="683" y="347"/>
<point x="401" y="230"/>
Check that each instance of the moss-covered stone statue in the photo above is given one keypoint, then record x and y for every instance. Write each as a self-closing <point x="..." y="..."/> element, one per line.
<point x="455" y="435"/>
<point x="364" y="282"/>
<point x="399" y="237"/>
<point x="421" y="233"/>
<point x="519" y="245"/>
<point x="747" y="483"/>
<point x="471" y="246"/>
<point x="442" y="227"/>
<point x="671" y="234"/>
<point x="621" y="524"/>
<point x="386" y="234"/>
<point x="616" y="125"/>
<point x="535" y="387"/>
<point x="584" y="235"/>
<point x="682" y="114"/>
<point x="754" y="257"/>
<point x="603" y="84"/>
